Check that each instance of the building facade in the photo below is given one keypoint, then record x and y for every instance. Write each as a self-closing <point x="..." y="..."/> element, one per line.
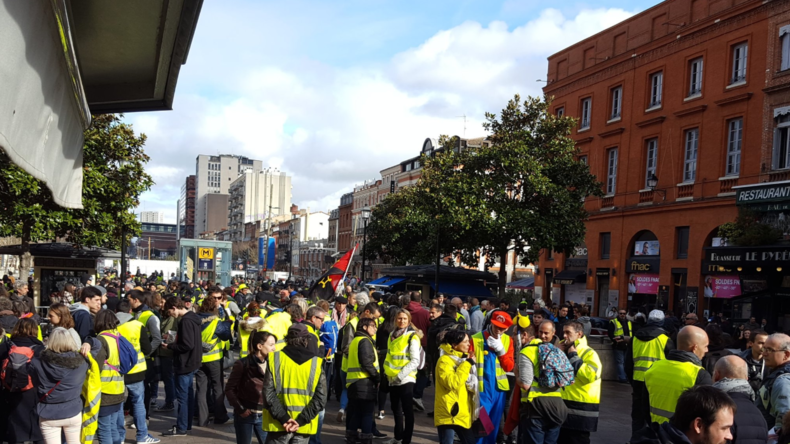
<point x="156" y="217"/>
<point x="677" y="107"/>
<point x="333" y="229"/>
<point x="344" y="236"/>
<point x="186" y="209"/>
<point x="156" y="241"/>
<point x="253" y="194"/>
<point x="213" y="175"/>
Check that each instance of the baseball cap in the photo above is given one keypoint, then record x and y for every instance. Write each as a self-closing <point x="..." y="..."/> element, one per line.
<point x="655" y="315"/>
<point x="501" y="319"/>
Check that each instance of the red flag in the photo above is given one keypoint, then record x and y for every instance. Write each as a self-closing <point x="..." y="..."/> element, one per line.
<point x="326" y="286"/>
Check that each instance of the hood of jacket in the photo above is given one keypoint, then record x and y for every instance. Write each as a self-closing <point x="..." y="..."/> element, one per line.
<point x="735" y="386"/>
<point x="78" y="307"/>
<point x="252" y="324"/>
<point x="192" y="318"/>
<point x="769" y="380"/>
<point x="684" y="356"/>
<point x="669" y="434"/>
<point x="206" y="318"/>
<point x="300" y="355"/>
<point x="650" y="331"/>
<point x="442" y="321"/>
<point x="68" y="360"/>
<point x="123" y="317"/>
<point x="414" y="306"/>
<point x="448" y="349"/>
<point x="584" y="319"/>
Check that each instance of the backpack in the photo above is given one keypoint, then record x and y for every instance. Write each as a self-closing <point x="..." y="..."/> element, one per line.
<point x="555" y="369"/>
<point x="422" y="353"/>
<point x="127" y="355"/>
<point x="14" y="372"/>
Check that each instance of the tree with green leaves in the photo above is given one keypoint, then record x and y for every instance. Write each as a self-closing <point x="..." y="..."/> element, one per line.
<point x="523" y="190"/>
<point x="114" y="177"/>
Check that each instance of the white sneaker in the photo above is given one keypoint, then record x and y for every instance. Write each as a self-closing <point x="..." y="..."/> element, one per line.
<point x="380" y="415"/>
<point x="341" y="415"/>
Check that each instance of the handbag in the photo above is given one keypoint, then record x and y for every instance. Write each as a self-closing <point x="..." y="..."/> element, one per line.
<point x="482" y="426"/>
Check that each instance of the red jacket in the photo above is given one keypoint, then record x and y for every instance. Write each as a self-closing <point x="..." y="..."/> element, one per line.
<point x="506" y="361"/>
<point x="421" y="319"/>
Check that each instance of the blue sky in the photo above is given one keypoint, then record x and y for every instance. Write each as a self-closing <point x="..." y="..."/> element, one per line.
<point x="334" y="92"/>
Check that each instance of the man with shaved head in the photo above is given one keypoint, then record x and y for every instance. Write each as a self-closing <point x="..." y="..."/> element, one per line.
<point x="668" y="378"/>
<point x="732" y="376"/>
<point x="775" y="392"/>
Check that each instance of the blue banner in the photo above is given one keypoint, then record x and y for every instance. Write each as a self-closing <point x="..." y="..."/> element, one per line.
<point x="270" y="252"/>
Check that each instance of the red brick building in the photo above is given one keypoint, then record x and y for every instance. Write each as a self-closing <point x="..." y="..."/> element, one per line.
<point x="690" y="93"/>
<point x="344" y="225"/>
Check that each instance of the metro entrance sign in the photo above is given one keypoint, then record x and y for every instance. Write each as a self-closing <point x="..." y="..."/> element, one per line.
<point x="205" y="253"/>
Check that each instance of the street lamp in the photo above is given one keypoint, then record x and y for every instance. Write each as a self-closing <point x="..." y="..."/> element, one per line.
<point x="290" y="250"/>
<point x="652" y="182"/>
<point x="365" y="216"/>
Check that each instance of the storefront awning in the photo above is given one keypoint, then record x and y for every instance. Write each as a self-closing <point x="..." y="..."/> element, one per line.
<point x="570" y="277"/>
<point x="522" y="284"/>
<point x="471" y="288"/>
<point x="386" y="281"/>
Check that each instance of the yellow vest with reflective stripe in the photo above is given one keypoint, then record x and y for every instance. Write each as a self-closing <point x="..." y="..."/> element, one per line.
<point x="666" y="381"/>
<point x="132" y="330"/>
<point x="480" y="355"/>
<point x="536" y="391"/>
<point x="111" y="380"/>
<point x="295" y="385"/>
<point x="354" y="371"/>
<point x="91" y="396"/>
<point x="583" y="397"/>
<point x="278" y="324"/>
<point x="143" y="318"/>
<point x="647" y="353"/>
<point x="618" y="327"/>
<point x="244" y="338"/>
<point x="207" y="335"/>
<point x="344" y="363"/>
<point x="398" y="354"/>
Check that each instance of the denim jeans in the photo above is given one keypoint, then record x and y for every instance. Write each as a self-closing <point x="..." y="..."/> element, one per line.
<point x="448" y="432"/>
<point x="316" y="439"/>
<point x="536" y="431"/>
<point x="245" y="427"/>
<point x="619" y="358"/>
<point x="166" y="371"/>
<point x="344" y="395"/>
<point x="111" y="430"/>
<point x="137" y="407"/>
<point x="185" y="394"/>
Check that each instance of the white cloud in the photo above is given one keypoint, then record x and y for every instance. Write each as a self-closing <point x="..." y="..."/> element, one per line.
<point x="331" y="127"/>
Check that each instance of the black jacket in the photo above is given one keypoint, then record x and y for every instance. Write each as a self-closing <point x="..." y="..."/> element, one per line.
<point x="750" y="426"/>
<point x="188" y="348"/>
<point x="660" y="434"/>
<point x="703" y="377"/>
<point x="438" y="325"/>
<point x="646" y="333"/>
<point x="757" y="369"/>
<point x="712" y="357"/>
<point x="273" y="404"/>
<point x="365" y="389"/>
<point x="626" y="332"/>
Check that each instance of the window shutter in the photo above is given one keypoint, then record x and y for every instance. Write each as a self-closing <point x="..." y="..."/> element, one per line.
<point x="777" y="148"/>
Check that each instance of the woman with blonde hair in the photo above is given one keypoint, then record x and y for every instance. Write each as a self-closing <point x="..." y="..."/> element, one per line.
<point x="404" y="358"/>
<point x="58" y="374"/>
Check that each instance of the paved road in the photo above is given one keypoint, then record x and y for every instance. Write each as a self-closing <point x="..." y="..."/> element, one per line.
<point x="614" y="425"/>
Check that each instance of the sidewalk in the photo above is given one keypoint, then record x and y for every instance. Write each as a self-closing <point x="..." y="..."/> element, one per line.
<point x="614" y="425"/>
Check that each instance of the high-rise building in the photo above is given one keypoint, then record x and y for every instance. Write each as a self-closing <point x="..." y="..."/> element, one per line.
<point x="186" y="209"/>
<point x="156" y="217"/>
<point x="253" y="194"/>
<point x="213" y="175"/>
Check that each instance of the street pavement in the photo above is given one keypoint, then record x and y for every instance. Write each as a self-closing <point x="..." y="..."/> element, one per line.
<point x="614" y="425"/>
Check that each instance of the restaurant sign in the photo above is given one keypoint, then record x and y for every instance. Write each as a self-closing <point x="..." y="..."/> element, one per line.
<point x="763" y="194"/>
<point x="747" y="255"/>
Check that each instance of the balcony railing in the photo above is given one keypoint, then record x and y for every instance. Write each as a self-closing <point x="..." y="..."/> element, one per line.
<point x="686" y="190"/>
<point x="646" y="196"/>
<point x="725" y="185"/>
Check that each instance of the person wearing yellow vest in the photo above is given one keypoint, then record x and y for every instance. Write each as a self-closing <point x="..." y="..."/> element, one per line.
<point x="142" y="305"/>
<point x="620" y="331"/>
<point x="583" y="397"/>
<point x="542" y="410"/>
<point x="400" y="368"/>
<point x="667" y="379"/>
<point x="348" y="334"/>
<point x="295" y="390"/>
<point x="251" y="322"/>
<point x="649" y="345"/>
<point x="313" y="320"/>
<point x="493" y="351"/>
<point x="113" y="393"/>
<point x="278" y="323"/>
<point x="456" y="384"/>
<point x="134" y="332"/>
<point x="362" y="380"/>
<point x="209" y="378"/>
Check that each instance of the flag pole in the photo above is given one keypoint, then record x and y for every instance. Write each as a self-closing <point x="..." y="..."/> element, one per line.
<point x="346" y="271"/>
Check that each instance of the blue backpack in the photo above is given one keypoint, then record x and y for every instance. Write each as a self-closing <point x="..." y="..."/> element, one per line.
<point x="126" y="354"/>
<point x="555" y="369"/>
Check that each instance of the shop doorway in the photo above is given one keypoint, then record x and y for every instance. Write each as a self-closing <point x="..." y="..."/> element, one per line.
<point x="603" y="295"/>
<point x="679" y="294"/>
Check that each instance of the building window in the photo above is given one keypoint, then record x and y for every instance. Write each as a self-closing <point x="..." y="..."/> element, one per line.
<point x="781" y="157"/>
<point x="560" y="111"/>
<point x="611" y="171"/>
<point x="784" y="37"/>
<point x="651" y="159"/>
<point x="734" y="138"/>
<point x="656" y="86"/>
<point x="583" y="159"/>
<point x="695" y="77"/>
<point x="739" y="63"/>
<point x="690" y="156"/>
<point x="586" y="106"/>
<point x="606" y="245"/>
<point x="682" y="234"/>
<point x="617" y="102"/>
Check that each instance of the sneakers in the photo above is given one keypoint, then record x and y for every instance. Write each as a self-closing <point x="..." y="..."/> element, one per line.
<point x="341" y="415"/>
<point x="379" y="435"/>
<point x="174" y="432"/>
<point x="150" y="440"/>
<point x="165" y="408"/>
<point x="380" y="415"/>
<point x="418" y="405"/>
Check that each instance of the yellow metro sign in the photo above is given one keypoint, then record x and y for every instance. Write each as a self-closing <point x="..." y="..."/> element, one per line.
<point x="205" y="253"/>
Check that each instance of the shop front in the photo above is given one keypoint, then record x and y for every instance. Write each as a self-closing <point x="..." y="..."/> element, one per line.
<point x="572" y="280"/>
<point x="643" y="282"/>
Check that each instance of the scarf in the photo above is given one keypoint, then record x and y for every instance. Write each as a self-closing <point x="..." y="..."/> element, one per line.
<point x="398" y="332"/>
<point x="728" y="385"/>
<point x="340" y="318"/>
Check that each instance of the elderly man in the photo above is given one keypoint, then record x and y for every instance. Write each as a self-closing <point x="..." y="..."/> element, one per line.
<point x="691" y="319"/>
<point x="775" y="392"/>
<point x="730" y="374"/>
<point x="21" y="289"/>
<point x="668" y="378"/>
<point x="477" y="318"/>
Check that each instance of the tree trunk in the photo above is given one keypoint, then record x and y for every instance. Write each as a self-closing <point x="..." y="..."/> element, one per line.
<point x="502" y="271"/>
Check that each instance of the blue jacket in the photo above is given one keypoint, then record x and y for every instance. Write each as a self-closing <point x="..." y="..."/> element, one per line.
<point x="328" y="335"/>
<point x="58" y="378"/>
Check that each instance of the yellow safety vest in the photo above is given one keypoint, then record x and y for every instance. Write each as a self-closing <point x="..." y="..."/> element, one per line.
<point x="244" y="338"/>
<point x="618" y="327"/>
<point x="143" y="317"/>
<point x="132" y="330"/>
<point x="207" y="336"/>
<point x="666" y="381"/>
<point x="91" y="396"/>
<point x="295" y="385"/>
<point x="535" y="390"/>
<point x="480" y="354"/>
<point x="354" y="371"/>
<point x="111" y="379"/>
<point x="398" y="353"/>
<point x="278" y="324"/>
<point x="647" y="353"/>
<point x="583" y="397"/>
<point x="344" y="363"/>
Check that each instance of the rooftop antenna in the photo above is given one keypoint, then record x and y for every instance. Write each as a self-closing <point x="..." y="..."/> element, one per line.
<point x="464" y="116"/>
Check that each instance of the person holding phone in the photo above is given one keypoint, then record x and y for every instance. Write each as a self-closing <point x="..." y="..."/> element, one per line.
<point x="620" y="332"/>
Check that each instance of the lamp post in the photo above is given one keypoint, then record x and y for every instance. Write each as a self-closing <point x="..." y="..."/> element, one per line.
<point x="290" y="250"/>
<point x="365" y="216"/>
<point x="652" y="183"/>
